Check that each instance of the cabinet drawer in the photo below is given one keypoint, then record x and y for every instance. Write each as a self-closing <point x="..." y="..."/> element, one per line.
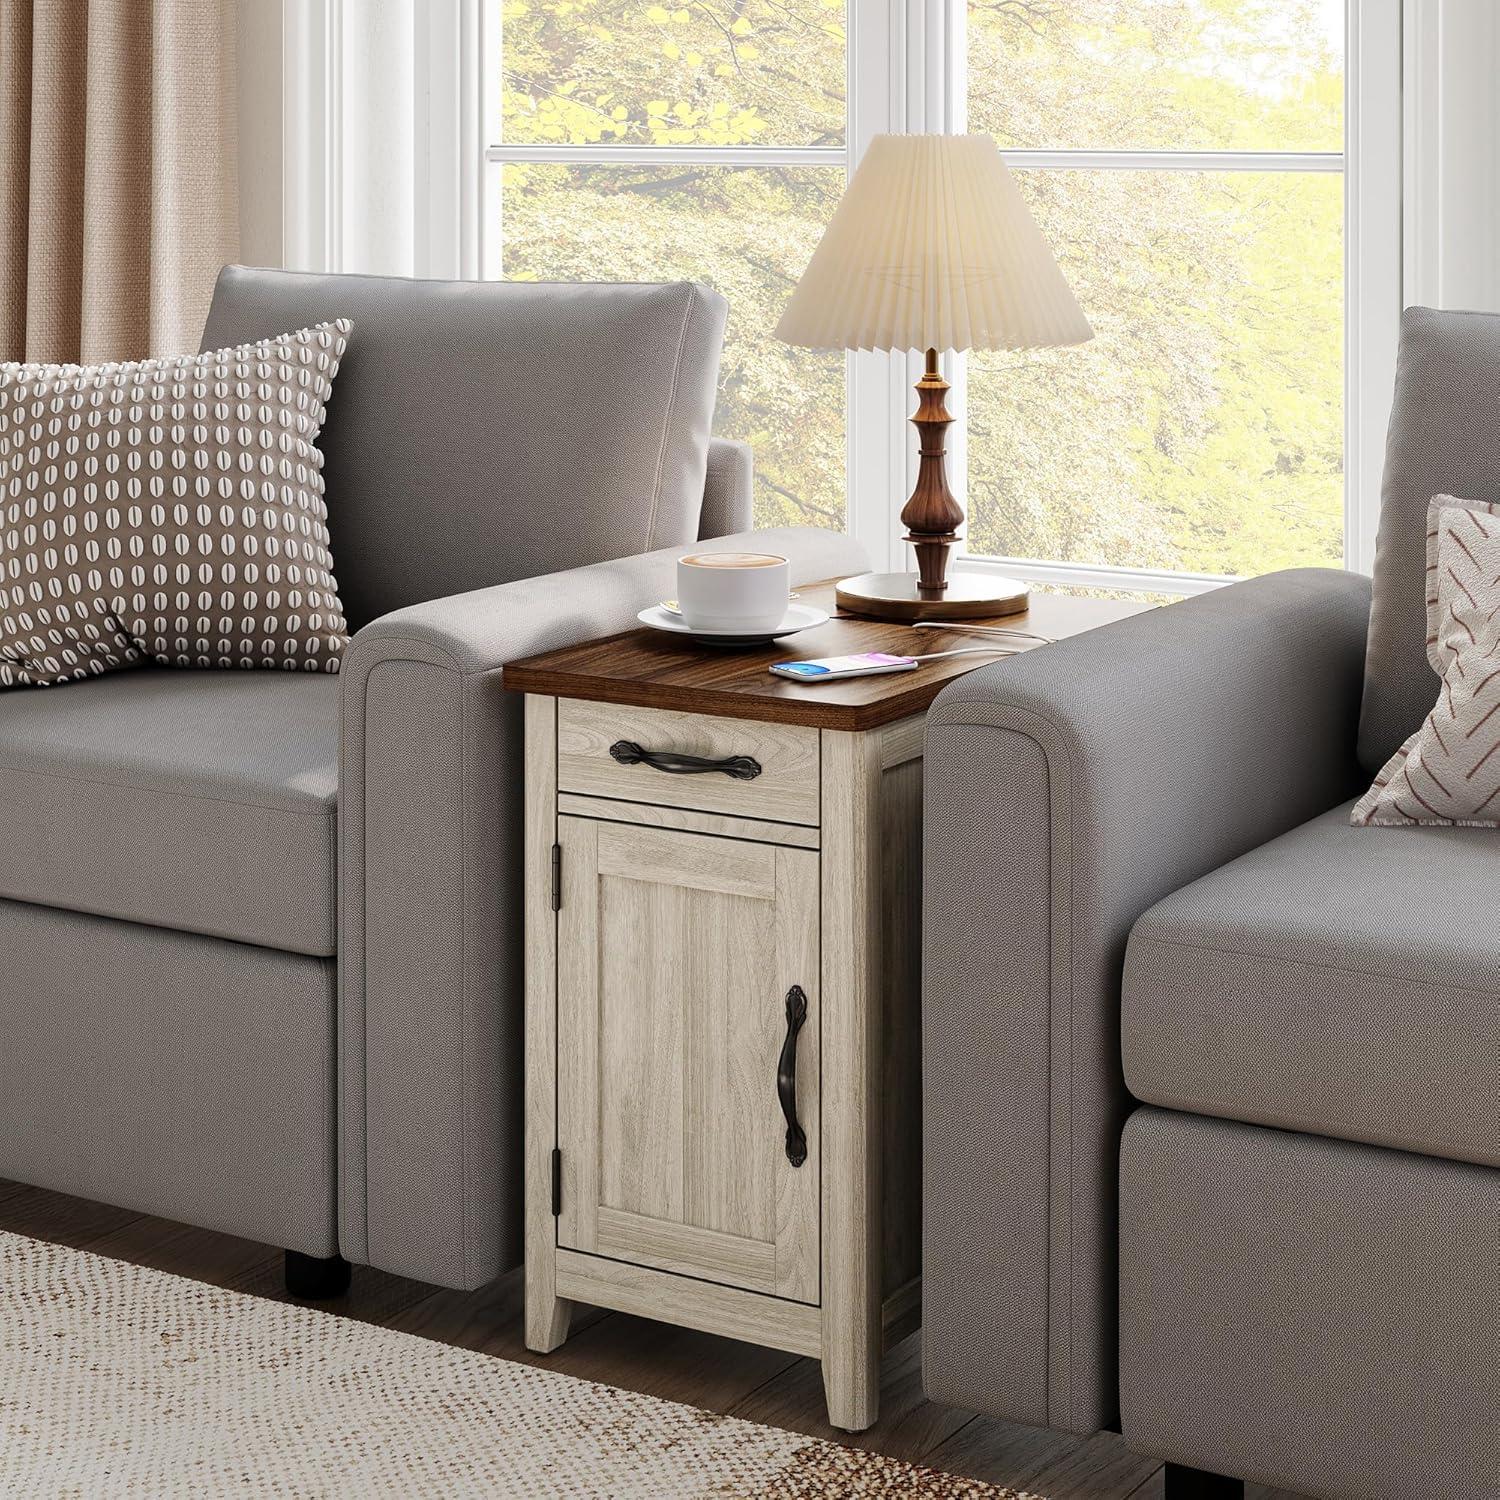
<point x="785" y="789"/>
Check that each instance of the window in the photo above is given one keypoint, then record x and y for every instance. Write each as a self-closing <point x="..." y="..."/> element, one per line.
<point x="1187" y="160"/>
<point x="708" y="141"/>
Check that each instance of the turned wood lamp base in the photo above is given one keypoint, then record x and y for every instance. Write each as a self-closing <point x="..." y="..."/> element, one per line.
<point x="932" y="517"/>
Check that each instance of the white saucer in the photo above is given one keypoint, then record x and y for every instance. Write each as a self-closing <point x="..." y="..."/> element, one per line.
<point x="670" y="622"/>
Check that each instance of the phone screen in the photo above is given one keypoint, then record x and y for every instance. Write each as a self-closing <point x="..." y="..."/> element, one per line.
<point x="833" y="665"/>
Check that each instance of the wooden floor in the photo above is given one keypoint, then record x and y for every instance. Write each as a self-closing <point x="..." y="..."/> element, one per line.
<point x="711" y="1373"/>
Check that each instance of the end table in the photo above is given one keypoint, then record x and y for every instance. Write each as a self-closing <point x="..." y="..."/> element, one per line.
<point x="723" y="944"/>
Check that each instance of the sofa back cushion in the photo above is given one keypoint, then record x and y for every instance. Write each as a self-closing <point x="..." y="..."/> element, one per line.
<point x="1444" y="439"/>
<point x="491" y="431"/>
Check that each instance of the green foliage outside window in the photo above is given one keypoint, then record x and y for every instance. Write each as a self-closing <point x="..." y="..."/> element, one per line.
<point x="727" y="73"/>
<point x="708" y="73"/>
<point x="1202" y="431"/>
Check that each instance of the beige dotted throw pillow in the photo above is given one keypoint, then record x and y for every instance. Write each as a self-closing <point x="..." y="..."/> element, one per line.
<point x="169" y="510"/>
<point x="1448" y="772"/>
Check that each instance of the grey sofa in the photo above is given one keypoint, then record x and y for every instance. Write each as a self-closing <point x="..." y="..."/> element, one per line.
<point x="1212" y="1079"/>
<point x="260" y="934"/>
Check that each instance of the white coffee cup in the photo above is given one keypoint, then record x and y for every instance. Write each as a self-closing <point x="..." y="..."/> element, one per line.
<point x="745" y="591"/>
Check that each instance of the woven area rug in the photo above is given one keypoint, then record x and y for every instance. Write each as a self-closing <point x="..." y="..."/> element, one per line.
<point x="117" y="1380"/>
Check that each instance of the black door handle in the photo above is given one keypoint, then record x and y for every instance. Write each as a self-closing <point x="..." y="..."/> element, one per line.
<point x="628" y="753"/>
<point x="786" y="1076"/>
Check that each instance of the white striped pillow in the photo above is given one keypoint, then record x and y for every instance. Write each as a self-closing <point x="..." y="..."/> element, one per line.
<point x="1448" y="772"/>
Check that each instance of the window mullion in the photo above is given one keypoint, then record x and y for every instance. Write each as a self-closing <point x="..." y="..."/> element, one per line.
<point x="666" y="156"/>
<point x="903" y="77"/>
<point x="1372" y="261"/>
<point x="1026" y="159"/>
<point x="1098" y="576"/>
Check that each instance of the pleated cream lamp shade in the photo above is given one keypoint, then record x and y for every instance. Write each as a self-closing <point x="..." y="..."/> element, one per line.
<point x="932" y="248"/>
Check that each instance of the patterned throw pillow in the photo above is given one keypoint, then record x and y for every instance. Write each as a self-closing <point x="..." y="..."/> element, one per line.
<point x="1448" y="772"/>
<point x="169" y="510"/>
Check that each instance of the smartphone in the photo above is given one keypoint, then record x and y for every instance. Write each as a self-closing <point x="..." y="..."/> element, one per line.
<point x="835" y="668"/>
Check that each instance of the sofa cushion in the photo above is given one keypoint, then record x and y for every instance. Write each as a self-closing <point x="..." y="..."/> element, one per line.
<point x="489" y="431"/>
<point x="1344" y="981"/>
<point x="203" y="801"/>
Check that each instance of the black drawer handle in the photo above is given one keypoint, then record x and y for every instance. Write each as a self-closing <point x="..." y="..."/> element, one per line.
<point x="628" y="753"/>
<point x="786" y="1076"/>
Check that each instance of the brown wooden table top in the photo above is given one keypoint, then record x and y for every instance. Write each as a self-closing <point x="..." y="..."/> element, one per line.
<point x="650" y="669"/>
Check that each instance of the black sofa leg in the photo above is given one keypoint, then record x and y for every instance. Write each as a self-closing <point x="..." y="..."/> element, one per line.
<point x="312" y="1279"/>
<point x="1183" y="1483"/>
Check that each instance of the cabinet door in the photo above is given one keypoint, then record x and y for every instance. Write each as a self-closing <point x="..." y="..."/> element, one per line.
<point x="676" y="955"/>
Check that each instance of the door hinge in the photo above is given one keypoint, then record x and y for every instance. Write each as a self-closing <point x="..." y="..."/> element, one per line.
<point x="556" y="1182"/>
<point x="557" y="877"/>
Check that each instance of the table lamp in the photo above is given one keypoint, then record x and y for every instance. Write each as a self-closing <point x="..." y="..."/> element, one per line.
<point x="932" y="248"/>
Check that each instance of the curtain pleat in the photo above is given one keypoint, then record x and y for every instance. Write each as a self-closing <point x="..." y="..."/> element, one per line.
<point x="118" y="191"/>
<point x="195" y="164"/>
<point x="115" y="108"/>
<point x="54" y="242"/>
<point x="15" y="170"/>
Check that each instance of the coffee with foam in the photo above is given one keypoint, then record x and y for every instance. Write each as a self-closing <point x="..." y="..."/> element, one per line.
<point x="739" y="592"/>
<point x="732" y="560"/>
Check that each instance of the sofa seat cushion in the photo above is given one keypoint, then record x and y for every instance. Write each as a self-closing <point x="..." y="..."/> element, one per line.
<point x="201" y="801"/>
<point x="1338" y="980"/>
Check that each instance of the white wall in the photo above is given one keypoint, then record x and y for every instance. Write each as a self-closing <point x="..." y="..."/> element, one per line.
<point x="1451" y="187"/>
<point x="351" y="135"/>
<point x="377" y="201"/>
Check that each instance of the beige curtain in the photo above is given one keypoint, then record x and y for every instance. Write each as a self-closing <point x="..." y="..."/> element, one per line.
<point x="118" y="178"/>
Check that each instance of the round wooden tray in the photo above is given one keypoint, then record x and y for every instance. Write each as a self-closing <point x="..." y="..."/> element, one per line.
<point x="969" y="596"/>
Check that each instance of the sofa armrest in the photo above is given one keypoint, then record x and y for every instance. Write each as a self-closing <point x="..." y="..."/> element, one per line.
<point x="430" y="913"/>
<point x="1067" y="790"/>
<point x="728" y="489"/>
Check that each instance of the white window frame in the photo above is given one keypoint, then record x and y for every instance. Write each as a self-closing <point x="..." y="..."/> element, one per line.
<point x="392" y="111"/>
